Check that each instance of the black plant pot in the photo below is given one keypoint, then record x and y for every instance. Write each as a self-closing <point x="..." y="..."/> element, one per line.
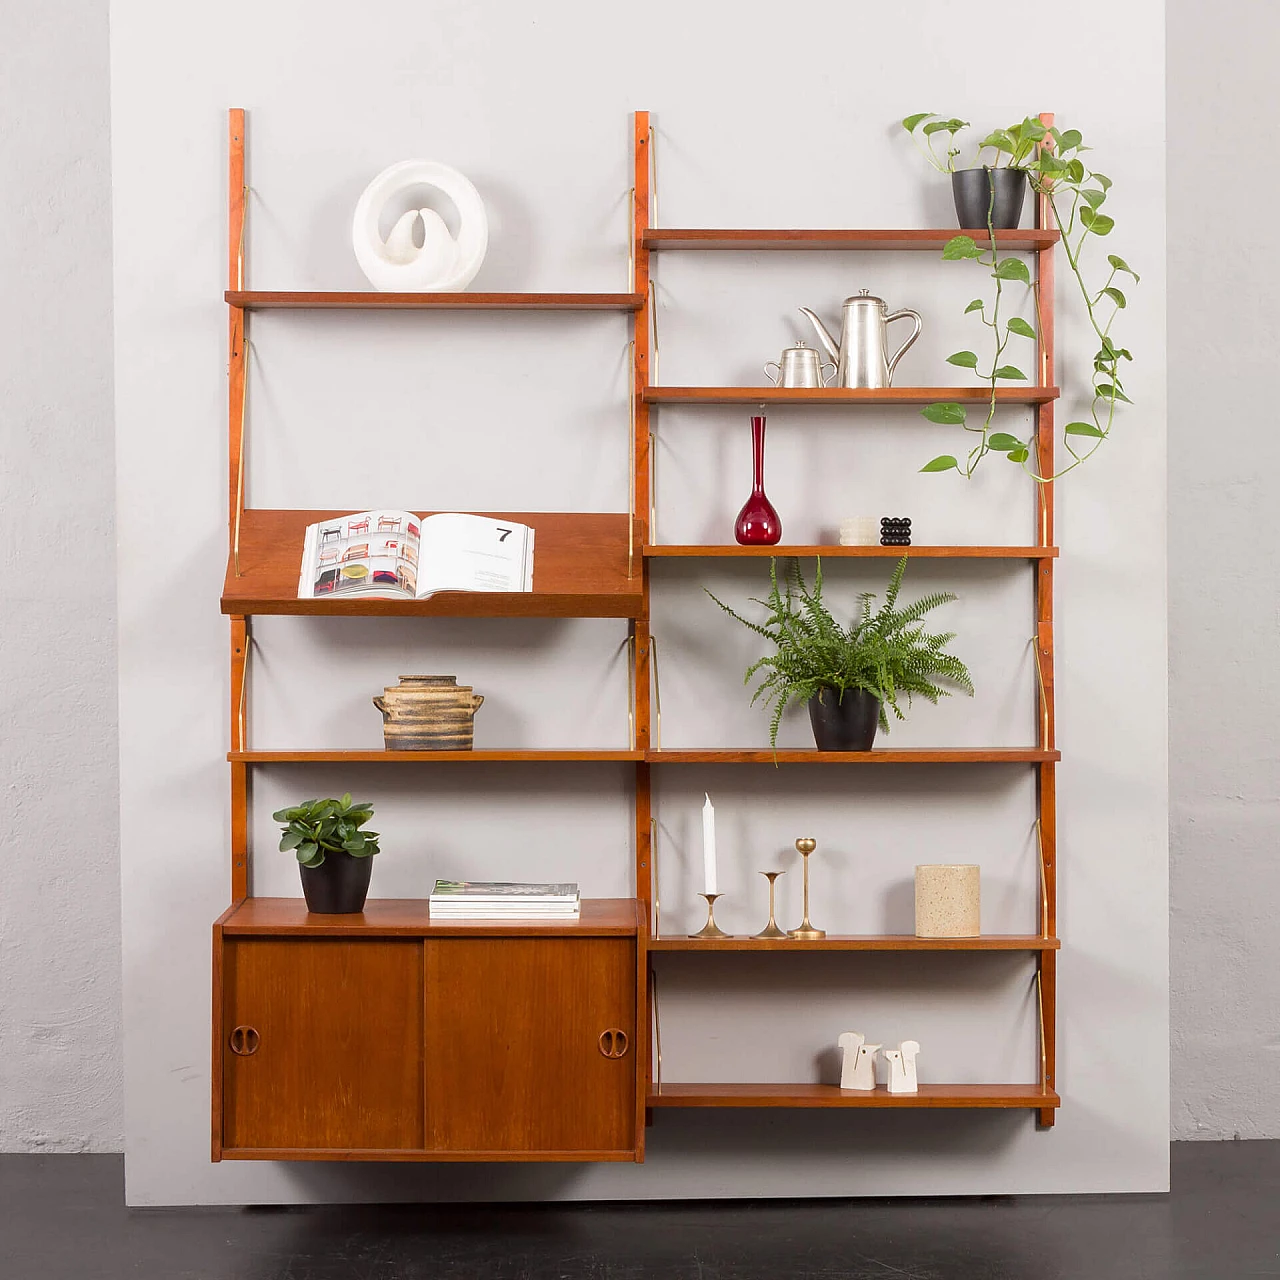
<point x="1002" y="192"/>
<point x="338" y="886"/>
<point x="845" y="722"/>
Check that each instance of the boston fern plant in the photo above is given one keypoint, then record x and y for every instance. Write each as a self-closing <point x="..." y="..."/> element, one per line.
<point x="1053" y="160"/>
<point x="886" y="651"/>
<point x="317" y="827"/>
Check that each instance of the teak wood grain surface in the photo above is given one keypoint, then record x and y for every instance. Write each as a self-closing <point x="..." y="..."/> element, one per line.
<point x="514" y="1061"/>
<point x="338" y="1057"/>
<point x="579" y="570"/>
<point x="927" y="238"/>
<point x="1006" y="1096"/>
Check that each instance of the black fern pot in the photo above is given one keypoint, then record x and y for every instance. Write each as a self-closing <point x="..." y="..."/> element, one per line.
<point x="844" y="722"/>
<point x="338" y="886"/>
<point x="1000" y="192"/>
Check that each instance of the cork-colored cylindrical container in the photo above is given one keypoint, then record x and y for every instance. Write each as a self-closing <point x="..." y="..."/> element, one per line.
<point x="428" y="713"/>
<point x="948" y="901"/>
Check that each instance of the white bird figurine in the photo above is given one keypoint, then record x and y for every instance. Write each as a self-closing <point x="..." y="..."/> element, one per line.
<point x="902" y="1067"/>
<point x="850" y="1042"/>
<point x="440" y="263"/>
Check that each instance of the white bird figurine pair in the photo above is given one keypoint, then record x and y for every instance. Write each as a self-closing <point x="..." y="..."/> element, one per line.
<point x="858" y="1070"/>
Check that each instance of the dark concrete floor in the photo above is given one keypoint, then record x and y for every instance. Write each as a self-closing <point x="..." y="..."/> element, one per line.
<point x="62" y="1218"/>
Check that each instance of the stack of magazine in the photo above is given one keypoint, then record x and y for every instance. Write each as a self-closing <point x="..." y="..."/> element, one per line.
<point x="482" y="900"/>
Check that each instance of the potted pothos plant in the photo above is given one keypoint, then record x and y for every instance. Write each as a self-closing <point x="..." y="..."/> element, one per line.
<point x="334" y="852"/>
<point x="1051" y="161"/>
<point x="850" y="675"/>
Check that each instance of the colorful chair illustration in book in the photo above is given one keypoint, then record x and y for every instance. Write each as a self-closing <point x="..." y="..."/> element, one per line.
<point x="386" y="576"/>
<point x="409" y="553"/>
<point x="408" y="579"/>
<point x="326" y="534"/>
<point x="359" y="552"/>
<point x="358" y="526"/>
<point x="388" y="524"/>
<point x="355" y="572"/>
<point x="413" y="529"/>
<point x="326" y="582"/>
<point x="390" y="547"/>
<point x="329" y="555"/>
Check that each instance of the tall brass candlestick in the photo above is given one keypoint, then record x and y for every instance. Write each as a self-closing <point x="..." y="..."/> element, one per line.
<point x="806" y="931"/>
<point x="710" y="929"/>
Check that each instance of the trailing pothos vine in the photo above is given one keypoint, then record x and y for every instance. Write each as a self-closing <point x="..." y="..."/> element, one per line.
<point x="1051" y="159"/>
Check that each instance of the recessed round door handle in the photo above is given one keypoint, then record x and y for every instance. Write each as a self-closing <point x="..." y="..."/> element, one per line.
<point x="244" y="1041"/>
<point x="614" y="1043"/>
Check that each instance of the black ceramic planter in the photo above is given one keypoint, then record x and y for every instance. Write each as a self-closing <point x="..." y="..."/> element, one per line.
<point x="1002" y="192"/>
<point x="338" y="886"/>
<point x="845" y="722"/>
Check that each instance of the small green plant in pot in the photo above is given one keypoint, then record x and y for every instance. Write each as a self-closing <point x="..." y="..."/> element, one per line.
<point x="851" y="676"/>
<point x="334" y="854"/>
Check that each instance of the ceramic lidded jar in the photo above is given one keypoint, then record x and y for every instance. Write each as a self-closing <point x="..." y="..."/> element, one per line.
<point x="428" y="713"/>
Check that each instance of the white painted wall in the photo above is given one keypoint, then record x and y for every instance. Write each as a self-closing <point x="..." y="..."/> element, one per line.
<point x="759" y="123"/>
<point x="60" y="1073"/>
<point x="1224" y="579"/>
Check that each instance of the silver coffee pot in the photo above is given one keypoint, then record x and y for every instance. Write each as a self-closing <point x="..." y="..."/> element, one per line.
<point x="862" y="354"/>
<point x="800" y="366"/>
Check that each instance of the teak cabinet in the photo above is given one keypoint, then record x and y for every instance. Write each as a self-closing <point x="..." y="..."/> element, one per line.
<point x="389" y="1036"/>
<point x="430" y="1047"/>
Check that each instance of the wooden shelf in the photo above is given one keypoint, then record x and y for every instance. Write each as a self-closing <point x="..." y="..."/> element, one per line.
<point x="922" y="239"/>
<point x="383" y="756"/>
<point x="694" y="551"/>
<point x="579" y="571"/>
<point x="859" y="942"/>
<point x="258" y="300"/>
<point x="411" y="917"/>
<point x="906" y="755"/>
<point x="846" y="395"/>
<point x="1006" y="1096"/>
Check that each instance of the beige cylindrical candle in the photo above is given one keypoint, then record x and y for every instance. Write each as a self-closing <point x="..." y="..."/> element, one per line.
<point x="948" y="901"/>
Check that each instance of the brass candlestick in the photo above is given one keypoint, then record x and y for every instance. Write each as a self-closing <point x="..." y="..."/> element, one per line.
<point x="771" y="930"/>
<point x="710" y="929"/>
<point x="806" y="930"/>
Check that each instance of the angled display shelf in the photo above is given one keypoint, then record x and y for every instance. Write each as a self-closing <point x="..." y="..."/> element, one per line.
<point x="580" y="571"/>
<point x="878" y="756"/>
<point x="1001" y="1096"/>
<point x="384" y="756"/>
<point x="859" y="942"/>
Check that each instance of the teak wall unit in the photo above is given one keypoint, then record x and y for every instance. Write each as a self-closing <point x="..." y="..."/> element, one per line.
<point x="387" y="1036"/>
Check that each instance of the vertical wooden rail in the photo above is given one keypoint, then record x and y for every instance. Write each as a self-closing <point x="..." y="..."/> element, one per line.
<point x="1047" y="798"/>
<point x="641" y="149"/>
<point x="236" y="373"/>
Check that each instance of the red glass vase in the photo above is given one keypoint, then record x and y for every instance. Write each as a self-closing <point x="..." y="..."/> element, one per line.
<point x="758" y="524"/>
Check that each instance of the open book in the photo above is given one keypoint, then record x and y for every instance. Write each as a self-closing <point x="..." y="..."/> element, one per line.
<point x="394" y="555"/>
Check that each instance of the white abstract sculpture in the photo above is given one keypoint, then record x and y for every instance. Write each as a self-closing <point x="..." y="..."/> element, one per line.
<point x="858" y="1070"/>
<point x="442" y="264"/>
<point x="902" y="1067"/>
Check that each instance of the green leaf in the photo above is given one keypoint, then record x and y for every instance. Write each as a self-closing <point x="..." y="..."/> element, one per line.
<point x="282" y="815"/>
<point x="1092" y="198"/>
<point x="1008" y="371"/>
<point x="307" y="850"/>
<point x="1098" y="223"/>
<point x="1019" y="326"/>
<point x="1051" y="166"/>
<point x="1012" y="269"/>
<point x="940" y="126"/>
<point x="1116" y="296"/>
<point x="1068" y="141"/>
<point x="1018" y="455"/>
<point x="945" y="462"/>
<point x="290" y="840"/>
<point x="1082" y="429"/>
<point x="1075" y="171"/>
<point x="960" y="247"/>
<point x="945" y="413"/>
<point x="1003" y="441"/>
<point x="999" y="139"/>
<point x="1121" y="265"/>
<point x="1103" y="181"/>
<point x="964" y="359"/>
<point x="1108" y="392"/>
<point x="346" y="800"/>
<point x="910" y="123"/>
<point x="975" y="305"/>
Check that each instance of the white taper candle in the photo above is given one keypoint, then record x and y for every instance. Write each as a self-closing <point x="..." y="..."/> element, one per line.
<point x="709" y="844"/>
